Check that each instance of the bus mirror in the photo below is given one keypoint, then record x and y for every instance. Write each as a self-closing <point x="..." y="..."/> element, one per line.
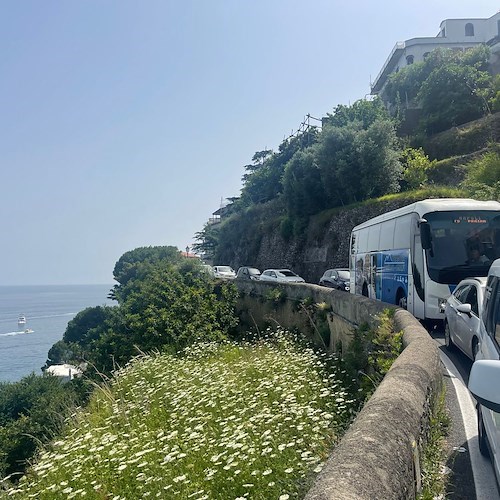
<point x="425" y="235"/>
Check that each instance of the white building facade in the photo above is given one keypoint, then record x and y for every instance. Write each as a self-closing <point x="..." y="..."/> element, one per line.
<point x="456" y="34"/>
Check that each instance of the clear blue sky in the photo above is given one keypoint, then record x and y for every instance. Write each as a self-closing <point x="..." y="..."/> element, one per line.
<point x="123" y="123"/>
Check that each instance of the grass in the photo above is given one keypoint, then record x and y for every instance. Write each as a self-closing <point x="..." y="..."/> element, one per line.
<point x="434" y="479"/>
<point x="228" y="421"/>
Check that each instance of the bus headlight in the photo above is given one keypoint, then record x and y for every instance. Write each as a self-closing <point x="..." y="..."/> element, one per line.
<point x="441" y="304"/>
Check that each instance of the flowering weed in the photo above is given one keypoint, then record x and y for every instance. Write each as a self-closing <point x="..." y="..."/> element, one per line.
<point x="222" y="421"/>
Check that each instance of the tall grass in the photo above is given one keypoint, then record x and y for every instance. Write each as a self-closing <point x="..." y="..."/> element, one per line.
<point x="228" y="421"/>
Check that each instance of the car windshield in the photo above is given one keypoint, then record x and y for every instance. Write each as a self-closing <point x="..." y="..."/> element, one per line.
<point x="464" y="243"/>
<point x="224" y="269"/>
<point x="286" y="272"/>
<point x="344" y="275"/>
<point x="253" y="271"/>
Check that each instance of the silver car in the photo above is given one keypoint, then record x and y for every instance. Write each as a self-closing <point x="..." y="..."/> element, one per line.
<point x="484" y="380"/>
<point x="463" y="316"/>
<point x="226" y="272"/>
<point x="281" y="276"/>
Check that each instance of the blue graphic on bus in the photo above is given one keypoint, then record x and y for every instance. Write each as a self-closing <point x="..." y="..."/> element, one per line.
<point x="385" y="274"/>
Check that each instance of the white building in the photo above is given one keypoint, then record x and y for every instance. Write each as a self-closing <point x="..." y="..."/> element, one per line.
<point x="457" y="34"/>
<point x="65" y="372"/>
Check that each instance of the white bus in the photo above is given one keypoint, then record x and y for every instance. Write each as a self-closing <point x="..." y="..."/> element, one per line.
<point x="416" y="255"/>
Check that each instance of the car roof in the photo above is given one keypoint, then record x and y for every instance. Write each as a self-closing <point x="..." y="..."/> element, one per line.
<point x="495" y="268"/>
<point x="478" y="280"/>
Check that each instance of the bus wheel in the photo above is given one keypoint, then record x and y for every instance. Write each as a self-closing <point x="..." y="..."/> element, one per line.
<point x="401" y="300"/>
<point x="365" y="291"/>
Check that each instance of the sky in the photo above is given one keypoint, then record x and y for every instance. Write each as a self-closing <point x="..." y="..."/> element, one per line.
<point x="125" y="123"/>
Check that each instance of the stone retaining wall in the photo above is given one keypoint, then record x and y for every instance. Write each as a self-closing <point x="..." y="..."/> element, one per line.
<point x="378" y="457"/>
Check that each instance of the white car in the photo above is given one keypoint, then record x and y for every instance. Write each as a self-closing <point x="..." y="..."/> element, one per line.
<point x="281" y="276"/>
<point x="226" y="272"/>
<point x="463" y="316"/>
<point x="484" y="380"/>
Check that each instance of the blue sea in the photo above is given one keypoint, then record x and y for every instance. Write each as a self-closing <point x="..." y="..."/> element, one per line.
<point x="48" y="309"/>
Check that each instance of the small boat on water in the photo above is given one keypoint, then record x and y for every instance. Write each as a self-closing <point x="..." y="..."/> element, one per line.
<point x="28" y="330"/>
<point x="21" y="321"/>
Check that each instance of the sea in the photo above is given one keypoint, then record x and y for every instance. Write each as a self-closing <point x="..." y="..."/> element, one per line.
<point x="48" y="309"/>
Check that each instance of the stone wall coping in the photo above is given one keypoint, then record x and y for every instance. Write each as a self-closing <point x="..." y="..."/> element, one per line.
<point x="376" y="457"/>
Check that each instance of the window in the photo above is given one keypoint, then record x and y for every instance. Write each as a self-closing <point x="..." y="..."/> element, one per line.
<point x="492" y="308"/>
<point x="409" y="59"/>
<point x="461" y="293"/>
<point x="472" y="300"/>
<point x="469" y="29"/>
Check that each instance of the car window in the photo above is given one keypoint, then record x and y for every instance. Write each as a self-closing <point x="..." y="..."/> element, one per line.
<point x="461" y="293"/>
<point x="492" y="308"/>
<point x="335" y="274"/>
<point x="285" y="272"/>
<point x="345" y="275"/>
<point x="471" y="299"/>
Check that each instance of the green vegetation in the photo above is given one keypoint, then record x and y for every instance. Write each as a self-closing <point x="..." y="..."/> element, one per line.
<point x="32" y="411"/>
<point x="450" y="87"/>
<point x="433" y="460"/>
<point x="483" y="175"/>
<point x="357" y="155"/>
<point x="165" y="302"/>
<point x="372" y="352"/>
<point x="220" y="421"/>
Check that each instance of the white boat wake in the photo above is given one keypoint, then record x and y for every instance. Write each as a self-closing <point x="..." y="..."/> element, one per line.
<point x="13" y="334"/>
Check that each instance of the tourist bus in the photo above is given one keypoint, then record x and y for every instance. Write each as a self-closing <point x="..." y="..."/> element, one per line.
<point x="415" y="256"/>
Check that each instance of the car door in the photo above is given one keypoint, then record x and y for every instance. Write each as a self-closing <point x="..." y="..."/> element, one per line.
<point x="468" y="324"/>
<point x="490" y="349"/>
<point x="454" y="320"/>
<point x="335" y="279"/>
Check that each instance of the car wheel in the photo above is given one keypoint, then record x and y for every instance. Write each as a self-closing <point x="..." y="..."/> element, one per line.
<point x="475" y="348"/>
<point x="447" y="337"/>
<point x="481" y="434"/>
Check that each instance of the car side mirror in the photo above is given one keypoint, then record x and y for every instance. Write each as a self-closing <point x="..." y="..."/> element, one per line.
<point x="464" y="308"/>
<point x="482" y="374"/>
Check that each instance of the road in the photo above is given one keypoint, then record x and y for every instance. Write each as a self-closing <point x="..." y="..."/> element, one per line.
<point x="471" y="475"/>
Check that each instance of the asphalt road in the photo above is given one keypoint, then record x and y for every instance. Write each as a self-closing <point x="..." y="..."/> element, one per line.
<point x="471" y="475"/>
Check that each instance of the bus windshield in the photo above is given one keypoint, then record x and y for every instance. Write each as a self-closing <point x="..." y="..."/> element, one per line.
<point x="464" y="244"/>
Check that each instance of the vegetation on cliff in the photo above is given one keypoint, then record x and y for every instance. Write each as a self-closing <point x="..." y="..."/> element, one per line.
<point x="165" y="303"/>
<point x="365" y="151"/>
<point x="220" y="421"/>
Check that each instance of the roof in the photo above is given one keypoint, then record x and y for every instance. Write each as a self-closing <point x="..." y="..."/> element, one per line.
<point x="64" y="370"/>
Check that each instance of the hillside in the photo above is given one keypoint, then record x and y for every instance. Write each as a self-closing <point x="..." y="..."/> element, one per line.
<point x="258" y="237"/>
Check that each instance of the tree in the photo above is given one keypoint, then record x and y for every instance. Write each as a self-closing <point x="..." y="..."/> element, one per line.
<point x="364" y="111"/>
<point x="303" y="190"/>
<point x="415" y="165"/>
<point x="449" y="87"/>
<point x="357" y="164"/>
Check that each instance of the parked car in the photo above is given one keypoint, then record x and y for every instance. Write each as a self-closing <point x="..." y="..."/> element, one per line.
<point x="463" y="316"/>
<point x="281" y="276"/>
<point x="336" y="278"/>
<point x="484" y="379"/>
<point x="248" y="273"/>
<point x="226" y="272"/>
